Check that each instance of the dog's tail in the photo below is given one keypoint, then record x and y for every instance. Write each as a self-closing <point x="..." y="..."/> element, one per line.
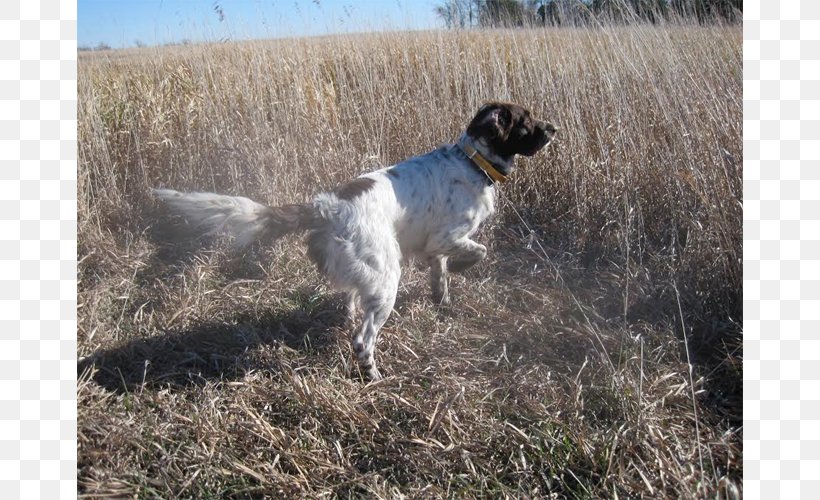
<point x="244" y="220"/>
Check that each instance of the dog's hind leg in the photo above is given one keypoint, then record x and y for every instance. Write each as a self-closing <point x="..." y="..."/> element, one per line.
<point x="351" y="308"/>
<point x="368" y="266"/>
<point x="438" y="279"/>
<point x="377" y="308"/>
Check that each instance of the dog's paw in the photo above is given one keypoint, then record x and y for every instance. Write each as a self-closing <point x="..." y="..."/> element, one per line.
<point x="463" y="262"/>
<point x="441" y="300"/>
<point x="372" y="374"/>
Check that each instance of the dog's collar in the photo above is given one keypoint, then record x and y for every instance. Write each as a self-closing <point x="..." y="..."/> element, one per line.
<point x="488" y="168"/>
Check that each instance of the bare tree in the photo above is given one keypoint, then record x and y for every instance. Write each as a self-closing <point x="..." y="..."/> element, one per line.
<point x="709" y="10"/>
<point x="511" y="13"/>
<point x="458" y="13"/>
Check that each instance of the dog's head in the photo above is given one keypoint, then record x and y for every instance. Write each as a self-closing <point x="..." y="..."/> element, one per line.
<point x="508" y="129"/>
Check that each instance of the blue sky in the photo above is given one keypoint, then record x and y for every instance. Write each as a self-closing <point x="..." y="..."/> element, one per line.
<point x="121" y="23"/>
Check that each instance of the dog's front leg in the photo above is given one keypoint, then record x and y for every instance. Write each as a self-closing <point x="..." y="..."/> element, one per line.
<point x="464" y="255"/>
<point x="454" y="257"/>
<point x="438" y="279"/>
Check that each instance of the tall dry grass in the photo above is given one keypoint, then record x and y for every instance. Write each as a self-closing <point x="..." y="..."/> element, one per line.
<point x="598" y="353"/>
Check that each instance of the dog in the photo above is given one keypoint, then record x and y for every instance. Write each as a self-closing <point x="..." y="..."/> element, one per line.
<point x="427" y="207"/>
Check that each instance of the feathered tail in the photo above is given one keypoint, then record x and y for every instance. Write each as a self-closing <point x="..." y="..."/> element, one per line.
<point x="241" y="218"/>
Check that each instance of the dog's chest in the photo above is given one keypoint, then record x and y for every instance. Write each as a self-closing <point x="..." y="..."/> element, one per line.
<point x="437" y="197"/>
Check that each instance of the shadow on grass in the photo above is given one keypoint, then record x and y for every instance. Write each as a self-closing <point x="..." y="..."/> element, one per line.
<point x="216" y="350"/>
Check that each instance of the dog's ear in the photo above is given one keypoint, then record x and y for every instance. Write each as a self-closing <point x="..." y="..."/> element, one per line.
<point x="493" y="121"/>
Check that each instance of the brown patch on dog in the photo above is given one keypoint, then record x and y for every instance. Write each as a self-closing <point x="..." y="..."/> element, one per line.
<point x="354" y="188"/>
<point x="289" y="218"/>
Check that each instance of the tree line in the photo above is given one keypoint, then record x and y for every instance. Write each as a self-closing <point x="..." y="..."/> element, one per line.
<point x="513" y="13"/>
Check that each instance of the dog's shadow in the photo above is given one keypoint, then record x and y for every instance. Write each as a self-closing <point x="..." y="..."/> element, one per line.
<point x="216" y="350"/>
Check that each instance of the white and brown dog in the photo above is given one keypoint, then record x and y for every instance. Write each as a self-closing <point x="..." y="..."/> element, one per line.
<point x="428" y="206"/>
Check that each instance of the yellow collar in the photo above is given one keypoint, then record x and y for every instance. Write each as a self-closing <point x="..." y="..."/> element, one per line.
<point x="482" y="163"/>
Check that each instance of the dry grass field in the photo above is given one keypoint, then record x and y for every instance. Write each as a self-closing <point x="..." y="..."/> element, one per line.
<point x="596" y="352"/>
